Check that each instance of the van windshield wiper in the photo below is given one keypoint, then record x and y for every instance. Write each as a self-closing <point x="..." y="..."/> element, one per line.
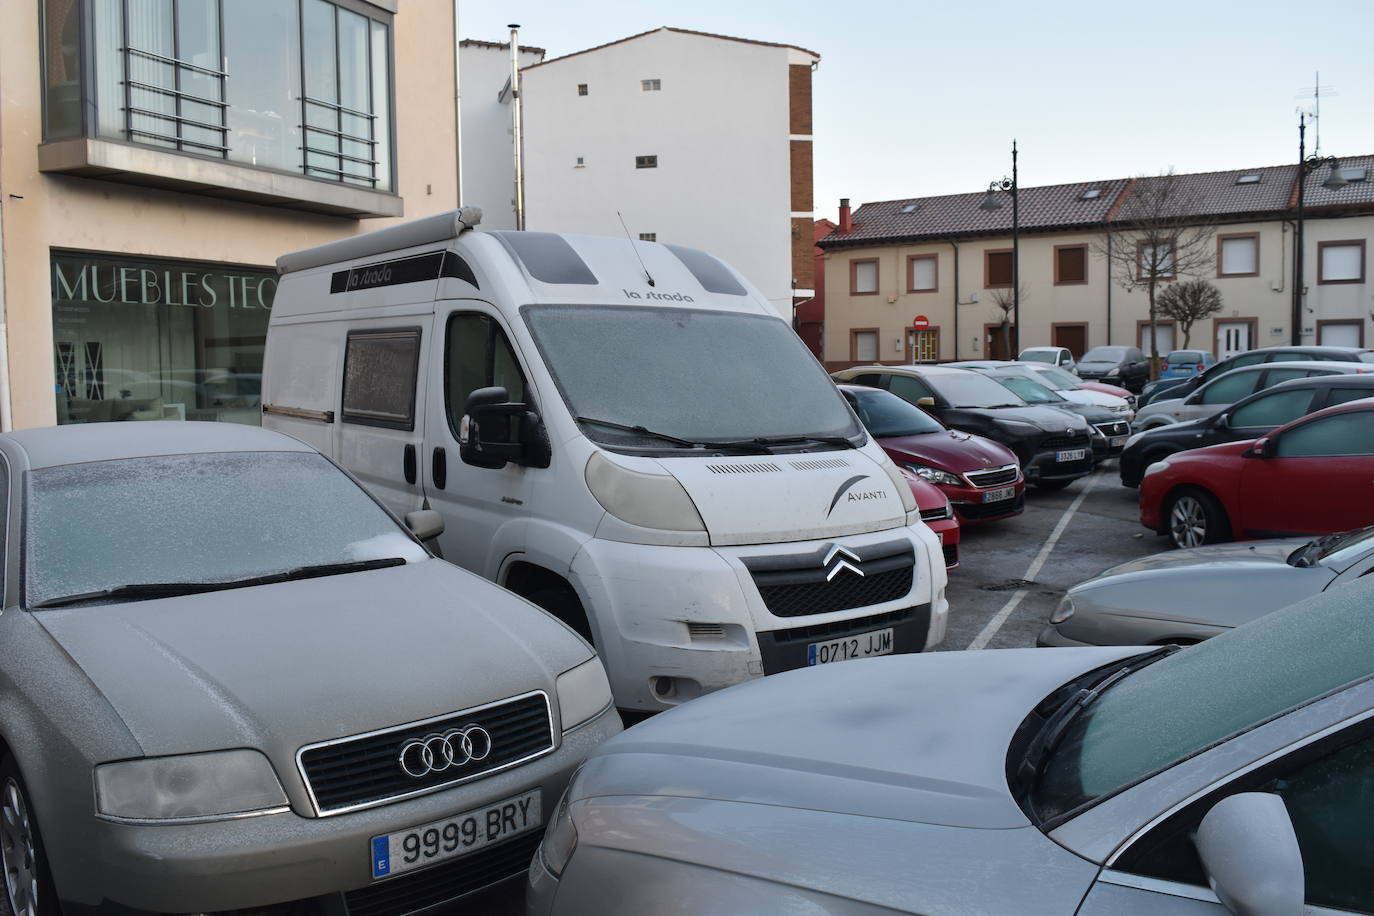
<point x="842" y="441"/>
<point x="146" y="590"/>
<point x="749" y="444"/>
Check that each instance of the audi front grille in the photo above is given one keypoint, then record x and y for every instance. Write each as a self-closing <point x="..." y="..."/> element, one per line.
<point x="361" y="771"/>
<point x="795" y="585"/>
<point x="993" y="477"/>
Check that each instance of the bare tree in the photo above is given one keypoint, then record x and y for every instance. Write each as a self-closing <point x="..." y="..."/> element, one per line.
<point x="1154" y="239"/>
<point x="1189" y="302"/>
<point x="1006" y="302"/>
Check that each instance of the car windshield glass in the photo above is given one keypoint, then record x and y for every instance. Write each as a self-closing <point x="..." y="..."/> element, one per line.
<point x="694" y="374"/>
<point x="972" y="389"/>
<point x="1196" y="698"/>
<point x="1038" y="356"/>
<point x="1184" y="358"/>
<point x="887" y="416"/>
<point x="1344" y="549"/>
<point x="1056" y="378"/>
<point x="199" y="518"/>
<point x="1030" y="391"/>
<point x="1104" y="355"/>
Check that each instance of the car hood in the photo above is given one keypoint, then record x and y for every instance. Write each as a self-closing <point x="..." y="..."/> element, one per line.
<point x="1050" y="420"/>
<point x="277" y="666"/>
<point x="1098" y="365"/>
<point x="1223" y="585"/>
<point x="949" y="450"/>
<point x="920" y="738"/>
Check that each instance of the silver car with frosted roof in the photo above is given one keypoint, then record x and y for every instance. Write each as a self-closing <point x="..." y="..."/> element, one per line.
<point x="230" y="679"/>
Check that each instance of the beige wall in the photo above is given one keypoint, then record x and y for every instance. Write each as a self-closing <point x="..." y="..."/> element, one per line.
<point x="41" y="211"/>
<point x="1266" y="298"/>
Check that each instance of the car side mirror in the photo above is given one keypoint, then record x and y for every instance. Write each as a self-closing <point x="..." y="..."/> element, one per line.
<point x="1221" y="421"/>
<point x="1251" y="856"/>
<point x="494" y="430"/>
<point x="1258" y="449"/>
<point x="425" y="523"/>
<point x="925" y="402"/>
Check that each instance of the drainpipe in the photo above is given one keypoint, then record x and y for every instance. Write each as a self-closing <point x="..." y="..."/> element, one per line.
<point x="1109" y="289"/>
<point x="955" y="245"/>
<point x="519" y="124"/>
<point x="6" y="418"/>
<point x="457" y="110"/>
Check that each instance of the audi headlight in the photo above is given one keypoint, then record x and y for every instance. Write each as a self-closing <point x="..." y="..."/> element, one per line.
<point x="1156" y="468"/>
<point x="1064" y="611"/>
<point x="934" y="475"/>
<point x="213" y="785"/>
<point x="583" y="692"/>
<point x="646" y="500"/>
<point x="898" y="481"/>
<point x="560" y="839"/>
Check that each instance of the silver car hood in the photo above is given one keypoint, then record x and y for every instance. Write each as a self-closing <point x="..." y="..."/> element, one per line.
<point x="1221" y="585"/>
<point x="917" y="738"/>
<point x="278" y="666"/>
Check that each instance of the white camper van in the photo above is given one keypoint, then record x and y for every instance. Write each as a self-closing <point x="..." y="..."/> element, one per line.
<point x="625" y="433"/>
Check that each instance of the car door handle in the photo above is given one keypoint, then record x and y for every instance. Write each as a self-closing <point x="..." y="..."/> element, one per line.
<point x="438" y="470"/>
<point x="409" y="462"/>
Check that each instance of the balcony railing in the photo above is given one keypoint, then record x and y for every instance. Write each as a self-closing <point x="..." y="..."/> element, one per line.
<point x="312" y="134"/>
<point x="178" y="122"/>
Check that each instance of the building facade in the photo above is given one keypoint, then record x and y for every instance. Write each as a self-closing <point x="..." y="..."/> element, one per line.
<point x="947" y="261"/>
<point x="488" y="160"/>
<point x="155" y="159"/>
<point x="689" y="138"/>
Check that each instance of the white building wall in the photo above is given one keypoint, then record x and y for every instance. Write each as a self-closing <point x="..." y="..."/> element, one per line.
<point x="719" y="127"/>
<point x="487" y="158"/>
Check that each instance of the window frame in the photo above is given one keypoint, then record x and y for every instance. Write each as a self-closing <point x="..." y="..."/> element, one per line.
<point x="987" y="268"/>
<point x="1339" y="243"/>
<point x="1140" y="274"/>
<point x="854" y="345"/>
<point x="1275" y="445"/>
<point x="649" y="161"/>
<point x="1357" y="323"/>
<point x="414" y="332"/>
<point x="854" y="277"/>
<point x="1221" y="248"/>
<point x="651" y="85"/>
<point x="1058" y="273"/>
<point x="582" y="89"/>
<point x="911" y="273"/>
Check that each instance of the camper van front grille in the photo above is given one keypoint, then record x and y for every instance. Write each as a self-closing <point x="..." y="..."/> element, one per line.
<point x="826" y="581"/>
<point x="820" y="464"/>
<point x="749" y="467"/>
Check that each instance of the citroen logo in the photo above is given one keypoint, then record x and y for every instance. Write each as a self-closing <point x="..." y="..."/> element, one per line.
<point x="839" y="558"/>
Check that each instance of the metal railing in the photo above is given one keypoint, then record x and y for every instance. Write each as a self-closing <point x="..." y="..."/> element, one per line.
<point x="340" y="137"/>
<point x="177" y="120"/>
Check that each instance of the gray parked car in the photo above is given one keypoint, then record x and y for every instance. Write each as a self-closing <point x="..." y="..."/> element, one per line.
<point x="1202" y="780"/>
<point x="232" y="680"/>
<point x="1186" y="596"/>
<point x="1224" y="390"/>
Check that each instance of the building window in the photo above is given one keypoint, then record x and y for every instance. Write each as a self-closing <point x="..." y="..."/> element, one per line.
<point x="997" y="268"/>
<point x="922" y="273"/>
<point x="581" y="88"/>
<point x="151" y="339"/>
<point x="1238" y="255"/>
<point x="646" y="162"/>
<point x="650" y="85"/>
<point x="863" y="345"/>
<point x="1154" y="260"/>
<point x="1340" y="262"/>
<point x="299" y="88"/>
<point x="863" y="277"/>
<point x="1070" y="265"/>
<point x="648" y="236"/>
<point x="579" y="164"/>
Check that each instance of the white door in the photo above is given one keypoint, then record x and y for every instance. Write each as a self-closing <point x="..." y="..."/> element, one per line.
<point x="1339" y="335"/>
<point x="1164" y="338"/>
<point x="1232" y="337"/>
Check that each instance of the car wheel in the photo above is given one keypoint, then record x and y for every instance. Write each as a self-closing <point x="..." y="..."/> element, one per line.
<point x="1052" y="484"/>
<point x="563" y="603"/>
<point x="28" y="885"/>
<point x="1196" y="518"/>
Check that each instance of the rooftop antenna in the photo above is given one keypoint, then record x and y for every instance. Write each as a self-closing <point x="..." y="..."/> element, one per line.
<point x="1314" y="111"/>
<point x="647" y="275"/>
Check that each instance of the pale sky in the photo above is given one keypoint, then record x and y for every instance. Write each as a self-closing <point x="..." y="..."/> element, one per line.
<point x="915" y="98"/>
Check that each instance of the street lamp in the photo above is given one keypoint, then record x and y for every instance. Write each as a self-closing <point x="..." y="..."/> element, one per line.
<point x="1334" y="182"/>
<point x="991" y="202"/>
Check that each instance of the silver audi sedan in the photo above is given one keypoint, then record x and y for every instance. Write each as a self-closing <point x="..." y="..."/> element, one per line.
<point x="1235" y="775"/>
<point x="230" y="679"/>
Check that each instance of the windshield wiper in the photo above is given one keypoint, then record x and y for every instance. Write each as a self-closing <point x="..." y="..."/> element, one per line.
<point x="1308" y="554"/>
<point x="842" y="441"/>
<point x="146" y="590"/>
<point x="749" y="444"/>
<point x="1047" y="738"/>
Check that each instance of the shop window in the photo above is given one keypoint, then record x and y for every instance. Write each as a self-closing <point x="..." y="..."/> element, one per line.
<point x="153" y="339"/>
<point x="380" y="368"/>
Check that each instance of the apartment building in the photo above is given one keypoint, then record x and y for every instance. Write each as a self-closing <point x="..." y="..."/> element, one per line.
<point x="689" y="138"/>
<point x="942" y="264"/>
<point x="157" y="157"/>
<point x="488" y="159"/>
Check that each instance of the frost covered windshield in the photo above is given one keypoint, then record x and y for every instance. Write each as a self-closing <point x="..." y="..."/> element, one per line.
<point x="197" y="518"/>
<point x="697" y="375"/>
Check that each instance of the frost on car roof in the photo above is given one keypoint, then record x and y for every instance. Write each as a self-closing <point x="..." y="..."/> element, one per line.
<point x="547" y="257"/>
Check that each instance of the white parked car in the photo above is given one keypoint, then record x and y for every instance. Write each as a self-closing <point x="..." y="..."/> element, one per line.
<point x="1050" y="356"/>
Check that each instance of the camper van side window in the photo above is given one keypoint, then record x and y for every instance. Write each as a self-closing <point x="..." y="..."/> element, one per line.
<point x="478" y="355"/>
<point x="380" y="368"/>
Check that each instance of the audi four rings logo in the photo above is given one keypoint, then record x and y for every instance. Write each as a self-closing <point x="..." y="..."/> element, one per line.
<point x="436" y="753"/>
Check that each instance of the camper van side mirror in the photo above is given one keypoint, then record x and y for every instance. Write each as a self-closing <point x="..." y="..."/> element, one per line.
<point x="494" y="431"/>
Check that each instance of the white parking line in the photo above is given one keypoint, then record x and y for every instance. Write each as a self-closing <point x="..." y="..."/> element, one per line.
<point x="985" y="635"/>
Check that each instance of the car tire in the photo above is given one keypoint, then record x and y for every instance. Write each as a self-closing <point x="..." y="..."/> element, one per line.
<point x="1194" y="517"/>
<point x="29" y="888"/>
<point x="1052" y="485"/>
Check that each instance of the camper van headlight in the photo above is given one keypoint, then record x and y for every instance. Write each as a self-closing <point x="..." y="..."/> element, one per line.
<point x="898" y="481"/>
<point x="646" y="500"/>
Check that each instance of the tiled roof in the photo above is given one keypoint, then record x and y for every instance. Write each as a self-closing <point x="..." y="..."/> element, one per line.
<point x="666" y="28"/>
<point x="1057" y="207"/>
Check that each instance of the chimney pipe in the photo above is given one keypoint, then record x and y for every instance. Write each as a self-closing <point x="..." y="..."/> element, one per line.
<point x="846" y="224"/>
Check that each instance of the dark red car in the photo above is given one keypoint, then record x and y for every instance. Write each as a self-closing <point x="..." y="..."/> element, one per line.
<point x="981" y="478"/>
<point x="1312" y="476"/>
<point x="938" y="515"/>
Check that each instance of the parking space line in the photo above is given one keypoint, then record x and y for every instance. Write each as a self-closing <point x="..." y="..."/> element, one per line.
<point x="990" y="630"/>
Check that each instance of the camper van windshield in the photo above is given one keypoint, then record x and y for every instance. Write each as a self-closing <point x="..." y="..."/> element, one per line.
<point x="690" y="375"/>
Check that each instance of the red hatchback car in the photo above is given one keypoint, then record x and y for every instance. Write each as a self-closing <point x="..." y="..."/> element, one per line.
<point x="938" y="515"/>
<point x="1313" y="476"/>
<point x="982" y="478"/>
